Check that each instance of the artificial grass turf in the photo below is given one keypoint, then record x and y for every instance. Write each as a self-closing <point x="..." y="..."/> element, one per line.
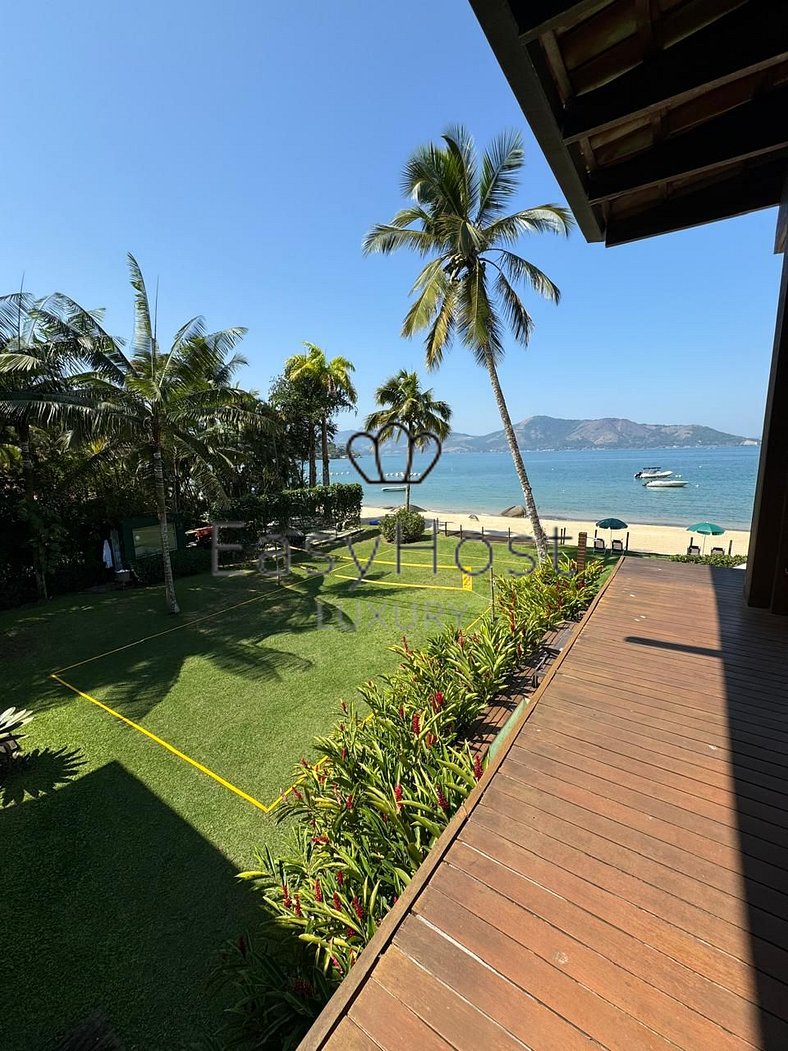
<point x="118" y="879"/>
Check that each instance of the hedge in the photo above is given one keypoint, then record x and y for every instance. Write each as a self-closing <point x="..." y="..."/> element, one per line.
<point x="149" y="570"/>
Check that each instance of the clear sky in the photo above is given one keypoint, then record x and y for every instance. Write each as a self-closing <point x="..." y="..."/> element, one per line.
<point x="241" y="149"/>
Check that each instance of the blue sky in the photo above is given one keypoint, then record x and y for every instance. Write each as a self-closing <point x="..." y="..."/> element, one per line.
<point x="242" y="149"/>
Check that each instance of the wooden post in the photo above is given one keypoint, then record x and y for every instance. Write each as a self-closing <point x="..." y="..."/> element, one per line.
<point x="767" y="560"/>
<point x="582" y="541"/>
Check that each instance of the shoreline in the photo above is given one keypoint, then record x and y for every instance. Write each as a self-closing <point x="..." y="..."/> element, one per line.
<point x="646" y="537"/>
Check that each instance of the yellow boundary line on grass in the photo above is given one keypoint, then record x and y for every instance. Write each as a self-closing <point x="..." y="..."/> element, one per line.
<point x="398" y="584"/>
<point x="265" y="808"/>
<point x="165" y="744"/>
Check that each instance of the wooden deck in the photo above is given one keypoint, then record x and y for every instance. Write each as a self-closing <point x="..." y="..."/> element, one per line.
<point x="619" y="878"/>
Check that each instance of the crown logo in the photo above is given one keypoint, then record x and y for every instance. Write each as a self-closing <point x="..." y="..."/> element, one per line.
<point x="415" y="440"/>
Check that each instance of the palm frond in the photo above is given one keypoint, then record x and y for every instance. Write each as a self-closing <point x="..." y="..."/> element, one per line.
<point x="501" y="165"/>
<point x="520" y="270"/>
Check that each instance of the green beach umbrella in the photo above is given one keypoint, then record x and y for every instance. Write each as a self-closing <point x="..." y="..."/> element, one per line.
<point x="611" y="524"/>
<point x="706" y="529"/>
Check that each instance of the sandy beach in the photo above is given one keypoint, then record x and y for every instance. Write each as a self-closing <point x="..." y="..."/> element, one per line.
<point x="657" y="539"/>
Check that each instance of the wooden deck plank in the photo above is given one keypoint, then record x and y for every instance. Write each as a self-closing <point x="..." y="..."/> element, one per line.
<point x="619" y="878"/>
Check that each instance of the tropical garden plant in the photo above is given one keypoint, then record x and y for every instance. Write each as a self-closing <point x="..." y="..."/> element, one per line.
<point x="409" y="525"/>
<point x="388" y="779"/>
<point x="467" y="290"/>
<point x="402" y="401"/>
<point x="11" y="722"/>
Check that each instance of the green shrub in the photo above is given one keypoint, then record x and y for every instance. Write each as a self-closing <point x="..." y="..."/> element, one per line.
<point x="411" y="526"/>
<point x="385" y="786"/>
<point x="722" y="561"/>
<point x="149" y="570"/>
<point x="322" y="504"/>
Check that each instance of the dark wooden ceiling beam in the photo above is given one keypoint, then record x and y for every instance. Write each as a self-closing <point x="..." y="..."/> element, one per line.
<point x="535" y="17"/>
<point x="753" y="37"/>
<point x="752" y="130"/>
<point x="748" y="191"/>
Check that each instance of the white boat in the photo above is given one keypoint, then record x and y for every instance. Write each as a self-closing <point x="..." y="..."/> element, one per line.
<point x="653" y="472"/>
<point x="665" y="483"/>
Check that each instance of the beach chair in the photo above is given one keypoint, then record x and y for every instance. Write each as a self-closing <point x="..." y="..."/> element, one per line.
<point x="617" y="547"/>
<point x="717" y="551"/>
<point x="599" y="544"/>
<point x="693" y="549"/>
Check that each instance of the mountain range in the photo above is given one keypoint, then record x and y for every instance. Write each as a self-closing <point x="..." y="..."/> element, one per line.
<point x="548" y="433"/>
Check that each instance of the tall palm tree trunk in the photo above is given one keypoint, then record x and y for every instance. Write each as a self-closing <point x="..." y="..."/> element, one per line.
<point x="312" y="459"/>
<point x="161" y="506"/>
<point x="324" y="450"/>
<point x="23" y="430"/>
<point x="407" y="496"/>
<point x="528" y="496"/>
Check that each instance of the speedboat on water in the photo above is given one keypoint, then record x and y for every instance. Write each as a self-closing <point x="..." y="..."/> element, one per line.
<point x="653" y="472"/>
<point x="665" y="483"/>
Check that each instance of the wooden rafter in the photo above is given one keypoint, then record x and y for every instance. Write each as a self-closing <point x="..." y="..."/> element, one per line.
<point x="749" y="131"/>
<point x="749" y="190"/>
<point x="750" y="38"/>
<point x="535" y="17"/>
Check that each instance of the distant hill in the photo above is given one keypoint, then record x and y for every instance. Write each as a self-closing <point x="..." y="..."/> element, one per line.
<point x="548" y="433"/>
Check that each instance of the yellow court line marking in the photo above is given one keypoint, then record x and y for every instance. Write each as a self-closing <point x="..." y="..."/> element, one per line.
<point x="266" y="809"/>
<point x="188" y="623"/>
<point x="165" y="744"/>
<point x="167" y="631"/>
<point x="397" y="584"/>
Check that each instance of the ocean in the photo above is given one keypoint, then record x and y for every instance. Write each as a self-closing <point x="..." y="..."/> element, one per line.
<point x="585" y="485"/>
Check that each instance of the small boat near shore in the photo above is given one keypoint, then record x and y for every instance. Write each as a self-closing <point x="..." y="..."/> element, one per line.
<point x="653" y="472"/>
<point x="665" y="483"/>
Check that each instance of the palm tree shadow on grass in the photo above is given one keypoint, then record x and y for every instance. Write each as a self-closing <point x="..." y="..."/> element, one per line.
<point x="238" y="642"/>
<point x="37" y="773"/>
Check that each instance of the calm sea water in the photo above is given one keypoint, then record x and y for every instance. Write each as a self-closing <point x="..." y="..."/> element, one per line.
<point x="584" y="485"/>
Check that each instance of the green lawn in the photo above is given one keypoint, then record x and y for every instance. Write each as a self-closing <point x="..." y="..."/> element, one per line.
<point x="118" y="857"/>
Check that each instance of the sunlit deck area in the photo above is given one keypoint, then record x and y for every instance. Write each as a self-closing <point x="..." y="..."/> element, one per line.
<point x="619" y="878"/>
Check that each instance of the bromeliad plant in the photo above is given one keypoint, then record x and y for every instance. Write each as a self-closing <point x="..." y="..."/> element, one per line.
<point x="11" y="722"/>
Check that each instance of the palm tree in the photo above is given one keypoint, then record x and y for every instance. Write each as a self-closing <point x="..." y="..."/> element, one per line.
<point x="467" y="289"/>
<point x="166" y="402"/>
<point x="332" y="389"/>
<point x="402" y="401"/>
<point x="41" y="343"/>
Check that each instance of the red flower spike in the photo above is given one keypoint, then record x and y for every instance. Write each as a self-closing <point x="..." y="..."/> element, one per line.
<point x="398" y="795"/>
<point x="344" y="755"/>
<point x="415" y="723"/>
<point x="430" y="740"/>
<point x="437" y="700"/>
<point x="340" y="877"/>
<point x="401" y="712"/>
<point x="337" y="902"/>
<point x="335" y="963"/>
<point x="303" y="988"/>
<point x="297" y="910"/>
<point x="286" y="895"/>
<point x="357" y="907"/>
<point x="318" y="891"/>
<point x="349" y="803"/>
<point x="442" y="801"/>
<point x="349" y="932"/>
<point x="297" y="794"/>
<point x="477" y="767"/>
